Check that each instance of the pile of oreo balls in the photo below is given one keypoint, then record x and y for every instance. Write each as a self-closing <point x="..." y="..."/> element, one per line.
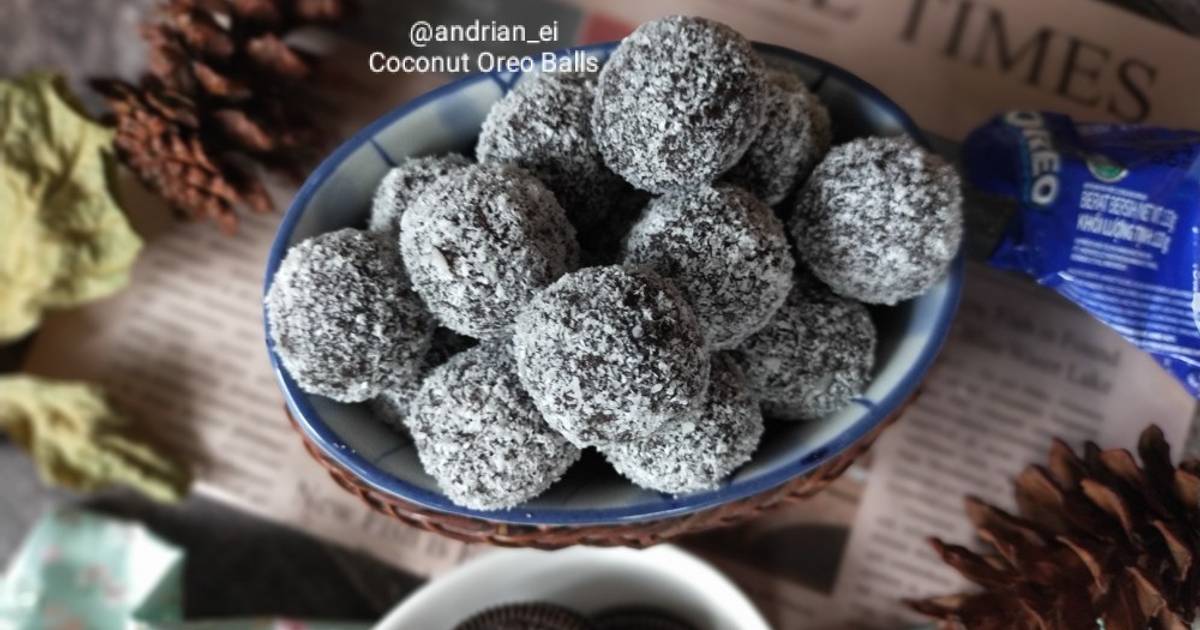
<point x="645" y="261"/>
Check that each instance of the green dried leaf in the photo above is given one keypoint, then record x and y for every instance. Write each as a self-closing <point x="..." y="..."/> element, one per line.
<point x="63" y="238"/>
<point x="78" y="441"/>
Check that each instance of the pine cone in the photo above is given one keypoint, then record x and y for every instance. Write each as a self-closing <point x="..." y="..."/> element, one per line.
<point x="158" y="137"/>
<point x="223" y="86"/>
<point x="1098" y="539"/>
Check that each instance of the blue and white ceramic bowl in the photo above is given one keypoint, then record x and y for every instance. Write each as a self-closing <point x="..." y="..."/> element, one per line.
<point x="339" y="193"/>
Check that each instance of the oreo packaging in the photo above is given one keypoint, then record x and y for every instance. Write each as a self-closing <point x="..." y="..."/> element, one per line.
<point x="1108" y="216"/>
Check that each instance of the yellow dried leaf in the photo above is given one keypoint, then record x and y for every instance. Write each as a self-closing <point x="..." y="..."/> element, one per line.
<point x="79" y="442"/>
<point x="63" y="238"/>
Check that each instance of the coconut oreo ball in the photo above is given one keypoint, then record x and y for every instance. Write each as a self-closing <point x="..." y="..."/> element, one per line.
<point x="544" y="126"/>
<point x="814" y="356"/>
<point x="401" y="186"/>
<point x="479" y="242"/>
<point x="879" y="220"/>
<point x="725" y="250"/>
<point x="611" y="353"/>
<point x="344" y="320"/>
<point x="392" y="404"/>
<point x="795" y="136"/>
<point x="479" y="434"/>
<point x="695" y="452"/>
<point x="678" y="103"/>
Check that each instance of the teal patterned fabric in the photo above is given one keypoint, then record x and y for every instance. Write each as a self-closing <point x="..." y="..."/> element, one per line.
<point x="78" y="570"/>
<point x="83" y="571"/>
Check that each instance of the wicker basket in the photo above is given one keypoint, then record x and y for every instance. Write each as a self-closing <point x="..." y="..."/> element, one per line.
<point x="642" y="534"/>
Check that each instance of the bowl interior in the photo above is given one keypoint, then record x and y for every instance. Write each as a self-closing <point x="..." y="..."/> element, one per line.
<point x="338" y="195"/>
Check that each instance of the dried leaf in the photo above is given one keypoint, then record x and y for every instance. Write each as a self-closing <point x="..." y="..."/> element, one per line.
<point x="64" y="240"/>
<point x="79" y="442"/>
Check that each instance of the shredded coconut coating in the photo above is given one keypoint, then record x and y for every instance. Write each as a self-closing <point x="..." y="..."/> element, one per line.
<point x="813" y="357"/>
<point x="696" y="452"/>
<point x="479" y="434"/>
<point x="391" y="406"/>
<point x="480" y="242"/>
<point x="544" y="126"/>
<point x="611" y="353"/>
<point x="678" y="103"/>
<point x="404" y="183"/>
<point x="879" y="220"/>
<point x="344" y="320"/>
<point x="796" y="135"/>
<point x="725" y="250"/>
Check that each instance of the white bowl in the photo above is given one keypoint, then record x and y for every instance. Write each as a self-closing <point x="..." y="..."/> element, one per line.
<point x="584" y="579"/>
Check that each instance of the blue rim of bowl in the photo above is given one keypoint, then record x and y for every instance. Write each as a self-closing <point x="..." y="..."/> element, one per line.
<point x="665" y="506"/>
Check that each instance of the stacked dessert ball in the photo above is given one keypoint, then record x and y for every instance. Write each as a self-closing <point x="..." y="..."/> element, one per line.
<point x="464" y="316"/>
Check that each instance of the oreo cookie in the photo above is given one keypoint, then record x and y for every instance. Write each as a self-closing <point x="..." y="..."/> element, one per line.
<point x="638" y="618"/>
<point x="528" y="616"/>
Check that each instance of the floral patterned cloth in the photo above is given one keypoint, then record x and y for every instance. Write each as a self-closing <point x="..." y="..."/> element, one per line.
<point x="82" y="571"/>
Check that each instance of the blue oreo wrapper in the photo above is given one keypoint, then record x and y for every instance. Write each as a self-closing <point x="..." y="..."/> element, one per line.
<point x="1109" y="216"/>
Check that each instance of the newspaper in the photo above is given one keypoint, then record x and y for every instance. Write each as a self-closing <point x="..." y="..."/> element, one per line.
<point x="950" y="63"/>
<point x="182" y="348"/>
<point x="1021" y="366"/>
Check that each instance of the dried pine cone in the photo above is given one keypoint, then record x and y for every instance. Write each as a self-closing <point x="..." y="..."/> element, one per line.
<point x="158" y="137"/>
<point x="227" y="64"/>
<point x="1099" y="543"/>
